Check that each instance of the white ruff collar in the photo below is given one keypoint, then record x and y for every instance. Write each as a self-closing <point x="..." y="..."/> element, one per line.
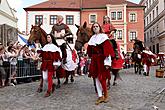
<point x="97" y="39"/>
<point x="51" y="48"/>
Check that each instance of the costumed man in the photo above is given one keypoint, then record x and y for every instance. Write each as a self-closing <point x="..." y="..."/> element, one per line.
<point x="60" y="30"/>
<point x="51" y="60"/>
<point x="118" y="60"/>
<point x="147" y="57"/>
<point x="100" y="51"/>
<point x="69" y="62"/>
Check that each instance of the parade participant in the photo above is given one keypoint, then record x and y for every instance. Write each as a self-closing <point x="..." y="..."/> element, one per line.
<point x="68" y="64"/>
<point x="147" y="57"/>
<point x="51" y="56"/>
<point x="60" y="30"/>
<point x="108" y="28"/>
<point x="100" y="51"/>
<point x="117" y="61"/>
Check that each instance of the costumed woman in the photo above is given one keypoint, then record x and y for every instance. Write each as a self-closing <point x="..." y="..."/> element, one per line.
<point x="51" y="60"/>
<point x="100" y="51"/>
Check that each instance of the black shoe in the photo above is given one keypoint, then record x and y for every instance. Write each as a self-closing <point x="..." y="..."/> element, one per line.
<point x="144" y="73"/>
<point x="72" y="80"/>
<point x="114" y="83"/>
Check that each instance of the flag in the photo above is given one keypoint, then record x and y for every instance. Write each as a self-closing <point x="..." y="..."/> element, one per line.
<point x="23" y="40"/>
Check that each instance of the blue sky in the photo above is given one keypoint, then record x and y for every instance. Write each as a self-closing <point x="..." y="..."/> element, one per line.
<point x="21" y="14"/>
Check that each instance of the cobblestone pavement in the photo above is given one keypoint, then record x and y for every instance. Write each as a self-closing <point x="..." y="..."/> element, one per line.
<point x="133" y="92"/>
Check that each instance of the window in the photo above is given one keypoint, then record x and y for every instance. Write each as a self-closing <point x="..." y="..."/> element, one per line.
<point x="119" y="34"/>
<point x="150" y="17"/>
<point x="153" y="31"/>
<point x="113" y="15"/>
<point x="157" y="29"/>
<point x="157" y="48"/>
<point x="164" y="4"/>
<point x="69" y="19"/>
<point x="53" y="19"/>
<point x="150" y="32"/>
<point x="149" y="2"/>
<point x="92" y="18"/>
<point x="38" y="19"/>
<point x="153" y="14"/>
<point x="157" y="11"/>
<point x="119" y="15"/>
<point x="145" y="37"/>
<point x="132" y="35"/>
<point x="132" y="17"/>
<point x="153" y="49"/>
<point x="115" y="34"/>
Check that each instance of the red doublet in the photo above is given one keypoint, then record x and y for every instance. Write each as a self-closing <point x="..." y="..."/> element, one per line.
<point x="98" y="54"/>
<point x="47" y="60"/>
<point x="146" y="59"/>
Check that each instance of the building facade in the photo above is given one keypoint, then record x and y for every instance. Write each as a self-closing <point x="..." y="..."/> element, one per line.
<point x="8" y="23"/>
<point x="127" y="17"/>
<point x="154" y="17"/>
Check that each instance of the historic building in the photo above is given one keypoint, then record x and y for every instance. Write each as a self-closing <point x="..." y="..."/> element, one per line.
<point x="154" y="17"/>
<point x="127" y="17"/>
<point x="8" y="23"/>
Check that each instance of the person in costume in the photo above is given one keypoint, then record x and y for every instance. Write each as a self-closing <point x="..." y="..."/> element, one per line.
<point x="108" y="28"/>
<point x="100" y="52"/>
<point x="51" y="59"/>
<point x="69" y="63"/>
<point x="147" y="57"/>
<point x="118" y="60"/>
<point x="60" y="30"/>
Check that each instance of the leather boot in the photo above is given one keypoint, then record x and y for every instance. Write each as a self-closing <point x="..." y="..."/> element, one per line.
<point x="99" y="100"/>
<point x="106" y="97"/>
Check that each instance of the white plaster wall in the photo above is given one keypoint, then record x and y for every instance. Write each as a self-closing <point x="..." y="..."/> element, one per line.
<point x="46" y="20"/>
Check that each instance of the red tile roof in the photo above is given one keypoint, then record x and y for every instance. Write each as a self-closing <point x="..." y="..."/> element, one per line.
<point x="76" y="4"/>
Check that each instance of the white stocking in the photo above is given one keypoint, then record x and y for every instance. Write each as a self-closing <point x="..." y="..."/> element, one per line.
<point x="45" y="75"/>
<point x="145" y="68"/>
<point x="99" y="87"/>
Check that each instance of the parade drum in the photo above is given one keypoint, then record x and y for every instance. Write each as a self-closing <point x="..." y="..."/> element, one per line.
<point x="159" y="73"/>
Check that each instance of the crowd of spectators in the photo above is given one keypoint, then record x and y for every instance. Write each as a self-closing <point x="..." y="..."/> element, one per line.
<point x="17" y="61"/>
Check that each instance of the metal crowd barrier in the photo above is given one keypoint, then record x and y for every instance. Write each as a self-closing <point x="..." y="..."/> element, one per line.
<point x="24" y="69"/>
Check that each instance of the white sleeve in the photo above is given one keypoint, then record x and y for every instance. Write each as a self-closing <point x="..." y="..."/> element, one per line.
<point x="56" y="63"/>
<point x="107" y="61"/>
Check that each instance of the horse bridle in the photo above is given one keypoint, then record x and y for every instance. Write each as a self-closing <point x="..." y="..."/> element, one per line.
<point x="85" y="34"/>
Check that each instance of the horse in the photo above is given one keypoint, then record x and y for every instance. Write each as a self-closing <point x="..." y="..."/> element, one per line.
<point x="38" y="34"/>
<point x="136" y="56"/>
<point x="83" y="33"/>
